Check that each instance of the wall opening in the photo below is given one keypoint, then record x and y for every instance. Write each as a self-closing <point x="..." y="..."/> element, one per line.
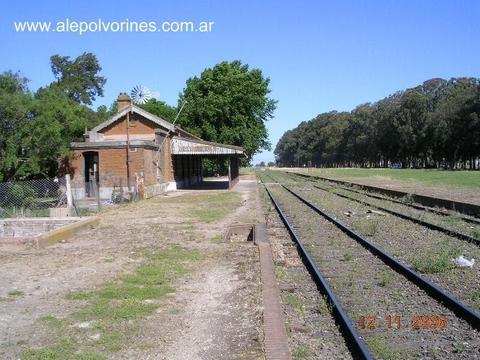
<point x="91" y="173"/>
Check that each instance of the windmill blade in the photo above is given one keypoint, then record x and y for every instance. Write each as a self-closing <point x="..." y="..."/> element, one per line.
<point x="140" y="94"/>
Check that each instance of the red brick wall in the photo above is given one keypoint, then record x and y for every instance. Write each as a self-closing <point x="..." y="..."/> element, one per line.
<point x="138" y="126"/>
<point x="113" y="166"/>
<point x="77" y="162"/>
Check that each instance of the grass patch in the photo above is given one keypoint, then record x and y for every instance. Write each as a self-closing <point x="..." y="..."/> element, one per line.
<point x="295" y="302"/>
<point x="386" y="278"/>
<point x="347" y="255"/>
<point x="437" y="259"/>
<point x="112" y="306"/>
<point x="281" y="272"/>
<point x="382" y="348"/>
<point x="79" y="295"/>
<point x="453" y="219"/>
<point x="301" y="352"/>
<point x="65" y="349"/>
<point x="16" y="293"/>
<point x="324" y="306"/>
<point x="216" y="206"/>
<point x="52" y="322"/>
<point x="128" y="309"/>
<point x="476" y="232"/>
<point x="217" y="239"/>
<point x="476" y="299"/>
<point x="111" y="342"/>
<point x="366" y="227"/>
<point x="429" y="176"/>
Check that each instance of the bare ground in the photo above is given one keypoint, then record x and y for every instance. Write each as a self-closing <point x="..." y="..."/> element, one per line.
<point x="214" y="313"/>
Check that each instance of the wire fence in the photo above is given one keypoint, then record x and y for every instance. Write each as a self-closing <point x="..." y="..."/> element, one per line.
<point x="32" y="198"/>
<point x="107" y="190"/>
<point x="62" y="197"/>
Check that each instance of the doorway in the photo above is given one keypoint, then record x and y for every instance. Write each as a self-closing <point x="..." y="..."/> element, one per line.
<point x="92" y="177"/>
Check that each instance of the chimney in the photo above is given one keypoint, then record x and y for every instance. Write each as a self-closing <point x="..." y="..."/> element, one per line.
<point x="123" y="101"/>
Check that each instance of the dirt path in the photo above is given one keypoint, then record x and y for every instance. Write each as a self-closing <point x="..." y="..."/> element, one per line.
<point x="213" y="314"/>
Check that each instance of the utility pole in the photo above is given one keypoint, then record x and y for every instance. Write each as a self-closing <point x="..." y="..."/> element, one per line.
<point x="128" y="151"/>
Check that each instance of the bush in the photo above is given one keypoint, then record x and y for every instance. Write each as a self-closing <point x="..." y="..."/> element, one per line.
<point x="21" y="195"/>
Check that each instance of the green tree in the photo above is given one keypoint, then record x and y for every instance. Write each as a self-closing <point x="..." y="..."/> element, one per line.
<point x="78" y="78"/>
<point x="56" y="121"/>
<point x="160" y="109"/>
<point x="229" y="103"/>
<point x="15" y="104"/>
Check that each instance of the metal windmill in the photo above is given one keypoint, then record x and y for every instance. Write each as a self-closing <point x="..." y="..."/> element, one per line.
<point x="140" y="94"/>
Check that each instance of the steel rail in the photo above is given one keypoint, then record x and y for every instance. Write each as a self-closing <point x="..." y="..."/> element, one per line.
<point x="457" y="206"/>
<point x="458" y="307"/>
<point x="426" y="224"/>
<point x="357" y="346"/>
<point x="415" y="206"/>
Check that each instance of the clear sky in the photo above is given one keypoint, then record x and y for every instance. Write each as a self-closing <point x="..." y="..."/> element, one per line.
<point x="319" y="55"/>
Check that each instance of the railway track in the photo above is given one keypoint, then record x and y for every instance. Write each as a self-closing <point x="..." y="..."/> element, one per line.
<point x="415" y="220"/>
<point x="314" y="241"/>
<point x="427" y="251"/>
<point x="467" y="219"/>
<point x="459" y="207"/>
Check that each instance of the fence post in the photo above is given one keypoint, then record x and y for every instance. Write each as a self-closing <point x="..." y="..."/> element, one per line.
<point x="69" y="194"/>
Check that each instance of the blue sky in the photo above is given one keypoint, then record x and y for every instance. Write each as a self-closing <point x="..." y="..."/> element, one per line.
<point x="319" y="55"/>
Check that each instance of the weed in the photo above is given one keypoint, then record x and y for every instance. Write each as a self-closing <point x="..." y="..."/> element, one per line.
<point x="16" y="293"/>
<point x="476" y="232"/>
<point x="459" y="347"/>
<point x="280" y="272"/>
<point x="111" y="342"/>
<point x="453" y="219"/>
<point x="79" y="295"/>
<point x="407" y="199"/>
<point x="437" y="259"/>
<point x="386" y="278"/>
<point x="295" y="302"/>
<point x="331" y="241"/>
<point x="347" y="255"/>
<point x="324" y="307"/>
<point x="63" y="350"/>
<point x="366" y="227"/>
<point x="476" y="299"/>
<point x="382" y="348"/>
<point x="127" y="291"/>
<point x="217" y="239"/>
<point x="128" y="309"/>
<point x="300" y="352"/>
<point x="51" y="321"/>
<point x="215" y="207"/>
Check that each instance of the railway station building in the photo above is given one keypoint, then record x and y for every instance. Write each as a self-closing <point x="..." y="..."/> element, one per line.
<point x="135" y="149"/>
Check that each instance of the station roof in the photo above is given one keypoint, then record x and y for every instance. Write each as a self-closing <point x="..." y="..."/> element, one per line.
<point x="185" y="146"/>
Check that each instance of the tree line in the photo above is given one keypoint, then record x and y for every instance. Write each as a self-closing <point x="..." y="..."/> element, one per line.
<point x="433" y="125"/>
<point x="227" y="103"/>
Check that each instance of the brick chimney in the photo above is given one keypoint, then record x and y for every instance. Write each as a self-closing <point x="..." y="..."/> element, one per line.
<point x="123" y="101"/>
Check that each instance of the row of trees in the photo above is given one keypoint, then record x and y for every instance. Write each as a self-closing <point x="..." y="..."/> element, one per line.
<point x="227" y="103"/>
<point x="436" y="124"/>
